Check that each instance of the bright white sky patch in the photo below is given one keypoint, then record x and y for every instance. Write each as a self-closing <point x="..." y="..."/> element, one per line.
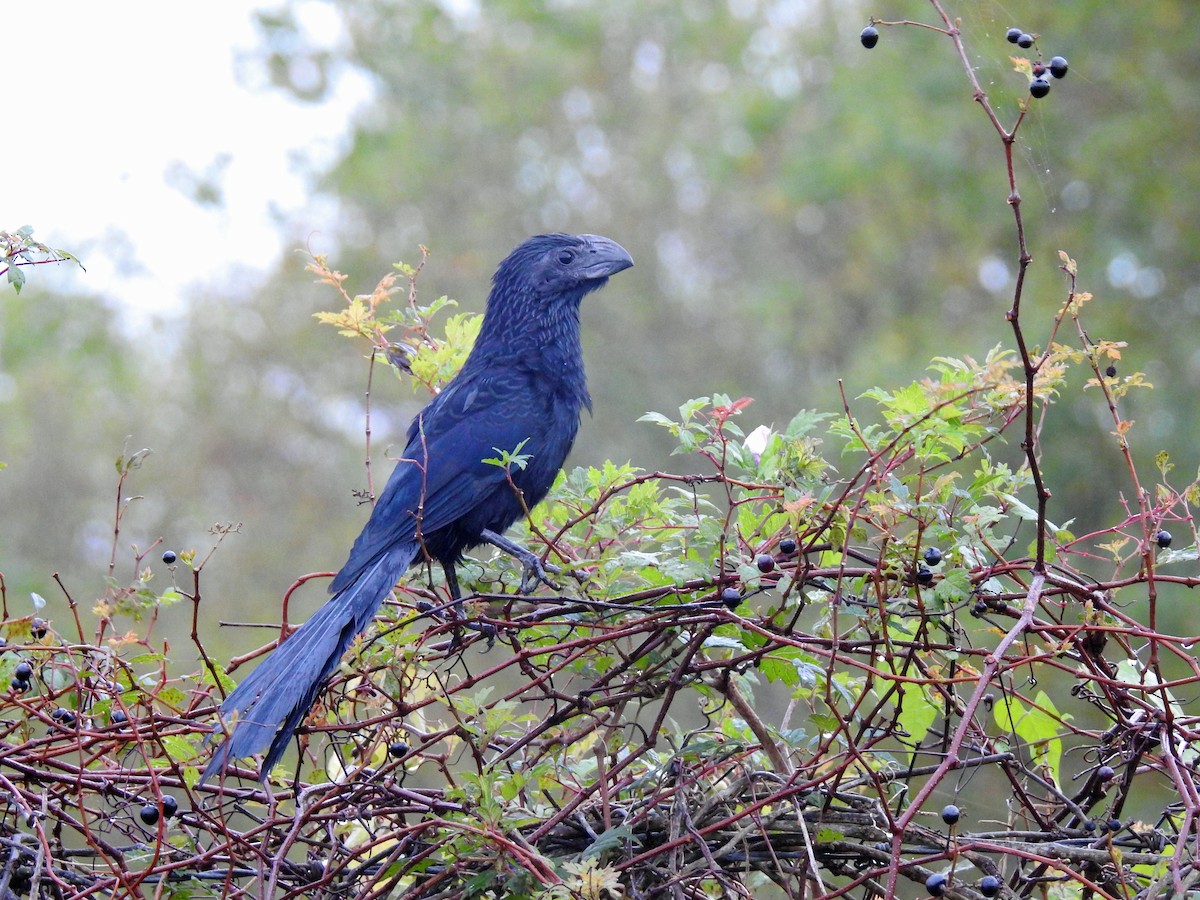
<point x="109" y="103"/>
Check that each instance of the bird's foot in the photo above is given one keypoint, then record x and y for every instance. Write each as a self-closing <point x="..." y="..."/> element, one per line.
<point x="533" y="570"/>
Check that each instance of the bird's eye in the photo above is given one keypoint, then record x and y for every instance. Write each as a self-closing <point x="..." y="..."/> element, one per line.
<point x="566" y="256"/>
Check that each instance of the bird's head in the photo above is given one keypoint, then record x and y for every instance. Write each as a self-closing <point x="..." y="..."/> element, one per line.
<point x="567" y="265"/>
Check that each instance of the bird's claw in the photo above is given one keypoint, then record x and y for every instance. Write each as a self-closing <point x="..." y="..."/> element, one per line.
<point x="533" y="571"/>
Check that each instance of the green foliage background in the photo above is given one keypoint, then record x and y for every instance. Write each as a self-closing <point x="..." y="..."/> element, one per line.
<point x="787" y="235"/>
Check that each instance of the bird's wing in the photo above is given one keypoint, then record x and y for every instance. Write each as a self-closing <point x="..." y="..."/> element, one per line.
<point x="442" y="473"/>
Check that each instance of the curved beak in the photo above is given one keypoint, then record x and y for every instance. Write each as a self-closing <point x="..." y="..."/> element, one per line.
<point x="604" y="257"/>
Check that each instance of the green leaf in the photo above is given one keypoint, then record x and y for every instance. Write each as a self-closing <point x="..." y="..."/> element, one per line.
<point x="917" y="713"/>
<point x="613" y="839"/>
<point x="16" y="277"/>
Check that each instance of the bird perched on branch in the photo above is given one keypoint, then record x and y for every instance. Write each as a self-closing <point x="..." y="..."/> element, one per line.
<point x="521" y="390"/>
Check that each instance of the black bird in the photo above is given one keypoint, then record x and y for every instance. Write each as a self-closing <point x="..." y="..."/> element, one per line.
<point x="522" y="386"/>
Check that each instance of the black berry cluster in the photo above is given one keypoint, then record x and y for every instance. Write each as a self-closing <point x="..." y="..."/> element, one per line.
<point x="149" y="813"/>
<point x="1057" y="67"/>
<point x="21" y="677"/>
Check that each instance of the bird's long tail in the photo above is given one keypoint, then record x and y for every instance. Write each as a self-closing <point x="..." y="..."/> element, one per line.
<point x="264" y="710"/>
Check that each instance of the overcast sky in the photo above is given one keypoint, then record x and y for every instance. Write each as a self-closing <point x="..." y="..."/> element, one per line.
<point x="112" y="113"/>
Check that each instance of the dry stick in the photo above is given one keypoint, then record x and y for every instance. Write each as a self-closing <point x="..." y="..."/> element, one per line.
<point x="990" y="669"/>
<point x="367" y="426"/>
<point x="1008" y="138"/>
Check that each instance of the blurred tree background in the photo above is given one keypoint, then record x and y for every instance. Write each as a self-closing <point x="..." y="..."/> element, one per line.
<point x="787" y="236"/>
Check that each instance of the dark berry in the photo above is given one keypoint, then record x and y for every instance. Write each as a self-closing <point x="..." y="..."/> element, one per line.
<point x="19" y="685"/>
<point x="170" y="805"/>
<point x="869" y="36"/>
<point x="787" y="546"/>
<point x="936" y="885"/>
<point x="950" y="814"/>
<point x="1111" y="371"/>
<point x="924" y="576"/>
<point x="1039" y="87"/>
<point x="979" y="608"/>
<point x="1105" y="773"/>
<point x="1038" y="70"/>
<point x="989" y="885"/>
<point x="1089" y="825"/>
<point x="313" y="870"/>
<point x="397" y="749"/>
<point x="1163" y="539"/>
<point x="1058" y="67"/>
<point x="1114" y="825"/>
<point x="932" y="556"/>
<point x="731" y="597"/>
<point x="149" y="814"/>
<point x="1025" y="41"/>
<point x="63" y="716"/>
<point x="765" y="562"/>
<point x="1013" y="35"/>
<point x="169" y="557"/>
<point x="118" y="717"/>
<point x="23" y="671"/>
<point x="38" y="627"/>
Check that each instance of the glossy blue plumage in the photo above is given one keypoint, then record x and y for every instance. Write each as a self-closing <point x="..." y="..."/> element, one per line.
<point x="523" y="383"/>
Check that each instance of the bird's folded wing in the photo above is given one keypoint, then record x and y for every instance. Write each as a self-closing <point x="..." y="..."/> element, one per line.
<point x="442" y="473"/>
